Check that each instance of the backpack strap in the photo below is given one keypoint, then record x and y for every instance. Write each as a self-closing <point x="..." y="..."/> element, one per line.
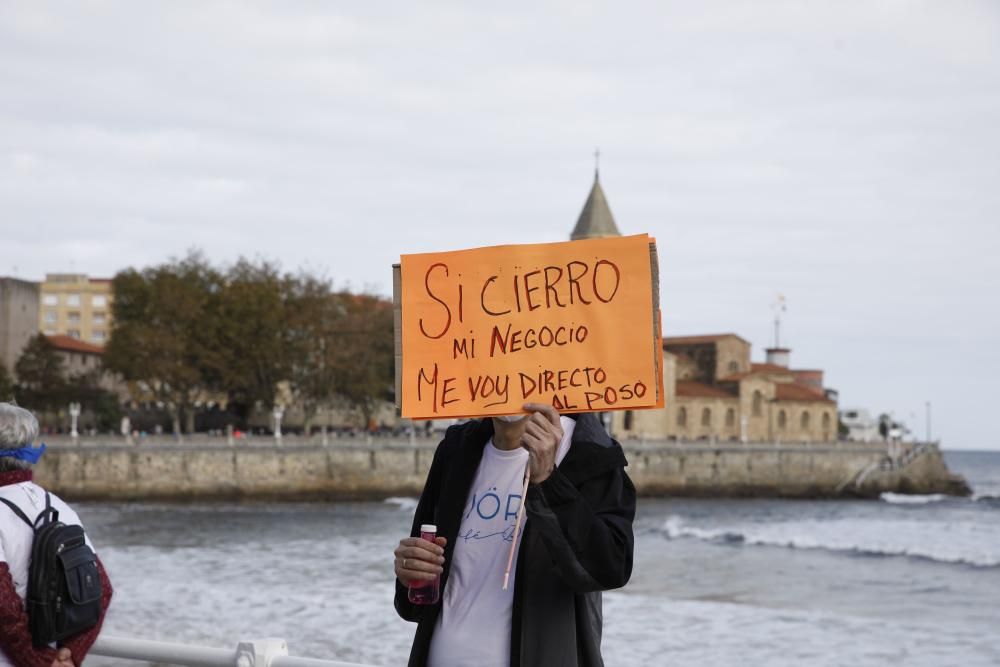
<point x="49" y="514"/>
<point x="17" y="511"/>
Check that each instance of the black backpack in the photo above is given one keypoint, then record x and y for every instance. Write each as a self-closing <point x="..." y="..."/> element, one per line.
<point x="64" y="586"/>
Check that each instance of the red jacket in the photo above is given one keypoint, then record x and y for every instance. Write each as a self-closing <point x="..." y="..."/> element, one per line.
<point x="15" y="638"/>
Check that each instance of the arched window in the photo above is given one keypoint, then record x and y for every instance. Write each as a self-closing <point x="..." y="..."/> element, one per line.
<point x="628" y="420"/>
<point x="682" y="417"/>
<point x="826" y="421"/>
<point x="706" y="417"/>
<point x="782" y="419"/>
<point x="730" y="417"/>
<point x="804" y="421"/>
<point x="758" y="404"/>
<point x="734" y="367"/>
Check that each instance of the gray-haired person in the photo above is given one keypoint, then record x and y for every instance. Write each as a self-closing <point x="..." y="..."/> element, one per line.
<point x="18" y="430"/>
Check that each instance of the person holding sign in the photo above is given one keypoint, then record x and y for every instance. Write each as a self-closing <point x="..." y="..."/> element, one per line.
<point x="558" y="541"/>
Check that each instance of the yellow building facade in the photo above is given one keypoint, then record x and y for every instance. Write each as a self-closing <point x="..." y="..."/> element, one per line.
<point x="713" y="391"/>
<point x="76" y="306"/>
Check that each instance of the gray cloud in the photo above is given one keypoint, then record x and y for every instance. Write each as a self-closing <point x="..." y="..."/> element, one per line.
<point x="844" y="154"/>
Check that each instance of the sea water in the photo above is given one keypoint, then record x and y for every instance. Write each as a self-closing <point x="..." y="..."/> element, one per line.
<point x="904" y="580"/>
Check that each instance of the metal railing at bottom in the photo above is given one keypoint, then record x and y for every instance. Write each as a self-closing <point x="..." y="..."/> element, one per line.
<point x="268" y="652"/>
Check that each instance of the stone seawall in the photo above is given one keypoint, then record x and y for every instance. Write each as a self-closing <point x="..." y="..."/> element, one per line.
<point x="786" y="470"/>
<point x="356" y="470"/>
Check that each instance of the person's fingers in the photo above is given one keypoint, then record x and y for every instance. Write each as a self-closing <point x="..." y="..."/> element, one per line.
<point x="551" y="414"/>
<point x="420" y="543"/>
<point x="540" y="431"/>
<point x="441" y="542"/>
<point x="64" y="654"/>
<point x="545" y="439"/>
<point x="414" y="567"/>
<point x="418" y="553"/>
<point x="541" y="421"/>
<point x="531" y="442"/>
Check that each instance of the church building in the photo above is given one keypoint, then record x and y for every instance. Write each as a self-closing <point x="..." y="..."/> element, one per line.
<point x="713" y="390"/>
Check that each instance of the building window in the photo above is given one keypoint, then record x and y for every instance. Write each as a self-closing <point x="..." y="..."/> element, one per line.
<point x="73" y="300"/>
<point x="73" y="333"/>
<point x="826" y="421"/>
<point x="98" y="301"/>
<point x="73" y="318"/>
<point x="782" y="419"/>
<point x="734" y="367"/>
<point x="50" y="300"/>
<point x="706" y="417"/>
<point x="628" y="420"/>
<point x="730" y="417"/>
<point x="50" y="317"/>
<point x="97" y="336"/>
<point x="682" y="417"/>
<point x="758" y="404"/>
<point x="99" y="318"/>
<point x="804" y="421"/>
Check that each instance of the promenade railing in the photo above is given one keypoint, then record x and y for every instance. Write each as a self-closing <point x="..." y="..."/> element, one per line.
<point x="270" y="652"/>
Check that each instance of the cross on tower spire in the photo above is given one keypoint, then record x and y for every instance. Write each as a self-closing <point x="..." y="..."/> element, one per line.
<point x="597" y="162"/>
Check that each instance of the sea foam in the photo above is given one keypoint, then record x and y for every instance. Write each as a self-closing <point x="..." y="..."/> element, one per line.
<point x="904" y="499"/>
<point x="954" y="543"/>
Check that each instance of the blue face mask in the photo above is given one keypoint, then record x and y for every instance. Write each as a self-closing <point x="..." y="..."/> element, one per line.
<point x="29" y="454"/>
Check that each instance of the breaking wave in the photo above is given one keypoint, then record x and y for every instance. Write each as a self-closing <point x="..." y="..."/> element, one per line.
<point x="404" y="504"/>
<point x="939" y="542"/>
<point x="988" y="498"/>
<point x="904" y="499"/>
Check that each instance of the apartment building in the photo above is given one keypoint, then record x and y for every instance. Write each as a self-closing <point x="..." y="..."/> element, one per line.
<point x="76" y="306"/>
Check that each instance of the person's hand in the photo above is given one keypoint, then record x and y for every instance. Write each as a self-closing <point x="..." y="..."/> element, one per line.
<point x="418" y="560"/>
<point x="63" y="658"/>
<point x="541" y="438"/>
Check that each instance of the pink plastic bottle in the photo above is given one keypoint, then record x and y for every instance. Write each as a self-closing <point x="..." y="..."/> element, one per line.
<point x="426" y="592"/>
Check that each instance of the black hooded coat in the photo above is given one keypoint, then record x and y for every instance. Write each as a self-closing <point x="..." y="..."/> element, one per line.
<point x="577" y="541"/>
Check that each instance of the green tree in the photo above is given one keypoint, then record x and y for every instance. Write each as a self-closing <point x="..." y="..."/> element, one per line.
<point x="314" y="315"/>
<point x="164" y="336"/>
<point x="41" y="377"/>
<point x="6" y="384"/>
<point x="363" y="351"/>
<point x="252" y="334"/>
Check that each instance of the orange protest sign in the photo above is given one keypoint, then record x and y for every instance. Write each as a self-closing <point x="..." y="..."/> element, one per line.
<point x="572" y="324"/>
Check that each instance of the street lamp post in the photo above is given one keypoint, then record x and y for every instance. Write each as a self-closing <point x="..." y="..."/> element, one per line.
<point x="74" y="414"/>
<point x="278" y="413"/>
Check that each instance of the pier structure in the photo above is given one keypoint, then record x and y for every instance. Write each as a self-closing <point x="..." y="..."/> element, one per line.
<point x="364" y="468"/>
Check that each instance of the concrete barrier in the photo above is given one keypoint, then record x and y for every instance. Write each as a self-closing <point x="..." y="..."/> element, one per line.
<point x="356" y="469"/>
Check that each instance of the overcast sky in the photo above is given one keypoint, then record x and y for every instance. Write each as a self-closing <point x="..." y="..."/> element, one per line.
<point x="844" y="154"/>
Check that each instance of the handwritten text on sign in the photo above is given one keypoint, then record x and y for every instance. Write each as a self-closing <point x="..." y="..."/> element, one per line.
<point x="488" y="329"/>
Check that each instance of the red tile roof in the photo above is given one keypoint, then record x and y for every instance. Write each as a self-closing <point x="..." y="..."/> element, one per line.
<point x="786" y="391"/>
<point x="701" y="390"/>
<point x="768" y="368"/>
<point x="67" y="344"/>
<point x="694" y="340"/>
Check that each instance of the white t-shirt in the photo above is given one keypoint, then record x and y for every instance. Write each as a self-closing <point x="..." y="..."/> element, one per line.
<point x="16" y="537"/>
<point x="473" y="629"/>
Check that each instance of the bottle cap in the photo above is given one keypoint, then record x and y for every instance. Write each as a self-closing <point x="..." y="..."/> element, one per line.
<point x="428" y="528"/>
